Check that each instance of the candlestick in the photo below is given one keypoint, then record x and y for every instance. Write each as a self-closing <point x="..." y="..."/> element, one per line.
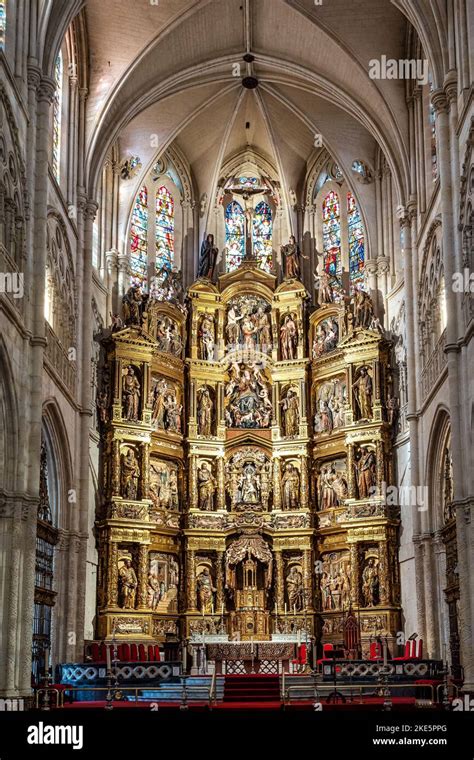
<point x="294" y="609"/>
<point x="109" y="664"/>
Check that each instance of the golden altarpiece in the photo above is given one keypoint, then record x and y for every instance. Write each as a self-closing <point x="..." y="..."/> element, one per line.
<point x="245" y="456"/>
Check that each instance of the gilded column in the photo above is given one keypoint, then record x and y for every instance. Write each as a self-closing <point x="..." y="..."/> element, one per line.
<point x="350" y="471"/>
<point x="385" y="584"/>
<point x="142" y="575"/>
<point x="380" y="465"/>
<point x="116" y="468"/>
<point x="219" y="582"/>
<point x="193" y="496"/>
<point x="145" y="470"/>
<point x="191" y="581"/>
<point x="220" y="484"/>
<point x="276" y="483"/>
<point x="354" y="558"/>
<point x="112" y="575"/>
<point x="308" y="579"/>
<point x="304" y="483"/>
<point x="280" y="582"/>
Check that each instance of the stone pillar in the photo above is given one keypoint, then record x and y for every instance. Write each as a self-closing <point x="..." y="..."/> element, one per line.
<point x="142" y="576"/>
<point x="111" y="263"/>
<point x="351" y="486"/>
<point x="123" y="280"/>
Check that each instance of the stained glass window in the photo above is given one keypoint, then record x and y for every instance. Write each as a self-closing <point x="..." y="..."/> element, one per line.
<point x="356" y="240"/>
<point x="332" y="233"/>
<point x="164" y="228"/>
<point x="57" y="105"/>
<point x="432" y="120"/>
<point x="262" y="235"/>
<point x="138" y="238"/>
<point x="234" y="235"/>
<point x="3" y="22"/>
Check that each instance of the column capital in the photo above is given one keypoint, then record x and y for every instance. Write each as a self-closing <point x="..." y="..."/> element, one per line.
<point x="439" y="101"/>
<point x="383" y="264"/>
<point x="123" y="262"/>
<point x="371" y="266"/>
<point x="111" y="258"/>
<point x="33" y="76"/>
<point x="451" y="86"/>
<point x="46" y="89"/>
<point x="90" y="209"/>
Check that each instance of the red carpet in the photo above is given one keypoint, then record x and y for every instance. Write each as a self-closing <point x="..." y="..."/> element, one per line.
<point x="252" y="689"/>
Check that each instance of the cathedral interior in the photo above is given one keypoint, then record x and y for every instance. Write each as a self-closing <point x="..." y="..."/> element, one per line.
<point x="236" y="346"/>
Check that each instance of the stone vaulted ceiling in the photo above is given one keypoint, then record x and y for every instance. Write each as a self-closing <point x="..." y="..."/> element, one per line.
<point x="170" y="72"/>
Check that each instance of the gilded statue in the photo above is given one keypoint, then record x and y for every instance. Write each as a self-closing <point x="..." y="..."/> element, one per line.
<point x="291" y="259"/>
<point x="205" y="408"/>
<point x="294" y="589"/>
<point x="363" y="392"/>
<point x="290" y="487"/>
<point x="366" y="473"/>
<point x="370" y="584"/>
<point x="206" y="338"/>
<point x="207" y="485"/>
<point x="288" y="337"/>
<point x="362" y="308"/>
<point x="128" y="585"/>
<point x="206" y="591"/>
<point x="129" y="473"/>
<point x="130" y="395"/>
<point x="291" y="413"/>
<point x="134" y="306"/>
<point x="159" y="403"/>
<point x="249" y="485"/>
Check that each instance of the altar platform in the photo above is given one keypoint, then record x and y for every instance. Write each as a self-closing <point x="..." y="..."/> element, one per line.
<point x="217" y="654"/>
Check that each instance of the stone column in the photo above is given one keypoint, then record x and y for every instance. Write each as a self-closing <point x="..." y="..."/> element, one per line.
<point x="351" y="486"/>
<point x="123" y="280"/>
<point x="115" y="484"/>
<point x="111" y="264"/>
<point x="145" y="471"/>
<point x="460" y="449"/>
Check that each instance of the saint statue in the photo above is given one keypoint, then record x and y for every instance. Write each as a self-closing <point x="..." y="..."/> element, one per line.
<point x="173" y="413"/>
<point x="205" y="411"/>
<point x="207" y="258"/>
<point x="288" y="338"/>
<point x="130" y="395"/>
<point x="159" y="403"/>
<point x="134" y="306"/>
<point x="291" y="413"/>
<point x="206" y="590"/>
<point x="153" y="591"/>
<point x="206" y="338"/>
<point x="326" y="292"/>
<point x="366" y="473"/>
<point x="363" y="308"/>
<point x="263" y="329"/>
<point x="294" y="589"/>
<point x="129" y="473"/>
<point x="249" y="486"/>
<point x="370" y="584"/>
<point x="363" y="390"/>
<point x="291" y="259"/>
<point x="128" y="585"/>
<point x="207" y="487"/>
<point x="290" y="487"/>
